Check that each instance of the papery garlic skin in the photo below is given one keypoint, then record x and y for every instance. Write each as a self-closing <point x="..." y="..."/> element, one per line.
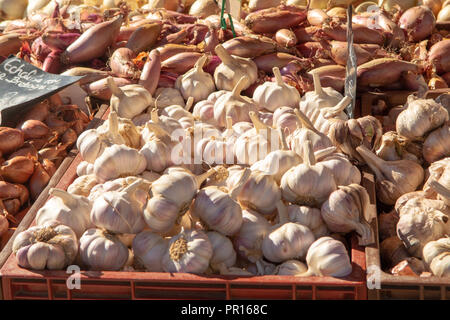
<point x="289" y="241"/>
<point x="345" y="211"/>
<point x="167" y="97"/>
<point x="149" y="249"/>
<point x="50" y="246"/>
<point x="118" y="161"/>
<point x="196" y="83"/>
<point x="328" y="257"/>
<point x="345" y="173"/>
<point x="309" y="217"/>
<point x="100" y="250"/>
<point x="130" y="100"/>
<point x="272" y="95"/>
<point x="248" y="240"/>
<point x="291" y="268"/>
<point x="437" y="144"/>
<point x="83" y="185"/>
<point x="85" y="168"/>
<point x="286" y="119"/>
<point x="223" y="251"/>
<point x="421" y="116"/>
<point x="69" y="209"/>
<point x="119" y="184"/>
<point x="434" y="248"/>
<point x="119" y="211"/>
<point x="190" y="252"/>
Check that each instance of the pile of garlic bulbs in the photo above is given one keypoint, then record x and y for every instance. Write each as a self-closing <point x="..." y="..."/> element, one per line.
<point x="240" y="186"/>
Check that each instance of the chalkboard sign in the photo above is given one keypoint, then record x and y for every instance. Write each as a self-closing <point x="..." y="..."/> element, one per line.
<point x="23" y="85"/>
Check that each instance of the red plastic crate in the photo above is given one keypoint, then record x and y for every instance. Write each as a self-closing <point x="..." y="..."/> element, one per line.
<point x="19" y="283"/>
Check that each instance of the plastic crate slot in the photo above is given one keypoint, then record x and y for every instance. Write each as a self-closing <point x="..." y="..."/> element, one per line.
<point x="261" y="292"/>
<point x="180" y="293"/>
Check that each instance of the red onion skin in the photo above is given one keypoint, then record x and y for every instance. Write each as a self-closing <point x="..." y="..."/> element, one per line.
<point x="248" y="47"/>
<point x="383" y="73"/>
<point x="361" y="34"/>
<point x="307" y="34"/>
<point x="314" y="49"/>
<point x="52" y="63"/>
<point x="316" y="17"/>
<point x="211" y="40"/>
<point x="59" y="41"/>
<point x="180" y="63"/>
<point x="439" y="56"/>
<point x="167" y="79"/>
<point x="212" y="64"/>
<point x="39" y="49"/>
<point x="17" y="170"/>
<point x="49" y="166"/>
<point x="151" y="72"/>
<point x="379" y="21"/>
<point x="122" y="65"/>
<point x="27" y="150"/>
<point x="10" y="140"/>
<point x="100" y="90"/>
<point x="271" y="20"/>
<point x="169" y="50"/>
<point x="33" y="129"/>
<point x="12" y="206"/>
<point x="418" y="23"/>
<point x="93" y="42"/>
<point x="144" y="37"/>
<point x="267" y="62"/>
<point x="339" y="53"/>
<point x="286" y="38"/>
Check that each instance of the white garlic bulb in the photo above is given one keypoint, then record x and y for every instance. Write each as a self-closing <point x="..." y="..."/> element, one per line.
<point x="273" y="95"/>
<point x="248" y="240"/>
<point x="85" y="168"/>
<point x="196" y="83"/>
<point x="50" y="246"/>
<point x="100" y="250"/>
<point x="309" y="217"/>
<point x="345" y="173"/>
<point x="149" y="249"/>
<point x="190" y="252"/>
<point x="83" y="185"/>
<point x="291" y="268"/>
<point x="119" y="211"/>
<point x="437" y="144"/>
<point x="218" y="209"/>
<point x="286" y="119"/>
<point x="119" y="161"/>
<point x="180" y="113"/>
<point x="69" y="209"/>
<point x="308" y="183"/>
<point x="288" y="240"/>
<point x="345" y="211"/>
<point x="204" y="111"/>
<point x="232" y="69"/>
<point x="130" y="100"/>
<point x="329" y="258"/>
<point x="157" y="148"/>
<point x="234" y="105"/>
<point x="92" y="143"/>
<point x="224" y="256"/>
<point x="168" y="124"/>
<point x="119" y="184"/>
<point x="168" y="97"/>
<point x="437" y="256"/>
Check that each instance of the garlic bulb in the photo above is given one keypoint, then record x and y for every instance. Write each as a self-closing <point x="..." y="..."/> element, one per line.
<point x="204" y="111"/>
<point x="322" y="104"/>
<point x="218" y="208"/>
<point x="277" y="162"/>
<point x="437" y="255"/>
<point x="296" y="140"/>
<point x="309" y="217"/>
<point x="437" y="144"/>
<point x="83" y="185"/>
<point x="394" y="147"/>
<point x="181" y="113"/>
<point x="233" y="69"/>
<point x="345" y="173"/>
<point x="119" y="161"/>
<point x="119" y="184"/>
<point x="308" y="183"/>
<point x="393" y="178"/>
<point x="85" y="168"/>
<point x="69" y="209"/>
<point x="196" y="83"/>
<point x="171" y="196"/>
<point x="254" y="145"/>
<point x="50" y="246"/>
<point x="93" y="143"/>
<point x="168" y="97"/>
<point x="157" y="149"/>
<point x="148" y="249"/>
<point x="101" y="250"/>
<point x="327" y="257"/>
<point x="420" y="222"/>
<point x="126" y="129"/>
<point x="234" y="105"/>
<point x="223" y="256"/>
<point x="272" y="95"/>
<point x="168" y="124"/>
<point x="421" y="116"/>
<point x="348" y="135"/>
<point x="190" y="252"/>
<point x="346" y="210"/>
<point x="290" y="268"/>
<point x="248" y="240"/>
<point x="261" y="268"/>
<point x="284" y="118"/>
<point x="119" y="211"/>
<point x="443" y="191"/>
<point x="288" y="240"/>
<point x="130" y="100"/>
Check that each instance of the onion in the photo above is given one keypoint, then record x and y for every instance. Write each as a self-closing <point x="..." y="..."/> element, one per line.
<point x="38" y="181"/>
<point x="444" y="14"/>
<point x="10" y="139"/>
<point x="418" y="23"/>
<point x="17" y="170"/>
<point x="434" y="5"/>
<point x="33" y="129"/>
<point x="204" y="8"/>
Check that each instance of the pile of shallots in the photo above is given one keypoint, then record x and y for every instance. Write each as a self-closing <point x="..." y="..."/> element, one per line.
<point x="202" y="179"/>
<point x="31" y="153"/>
